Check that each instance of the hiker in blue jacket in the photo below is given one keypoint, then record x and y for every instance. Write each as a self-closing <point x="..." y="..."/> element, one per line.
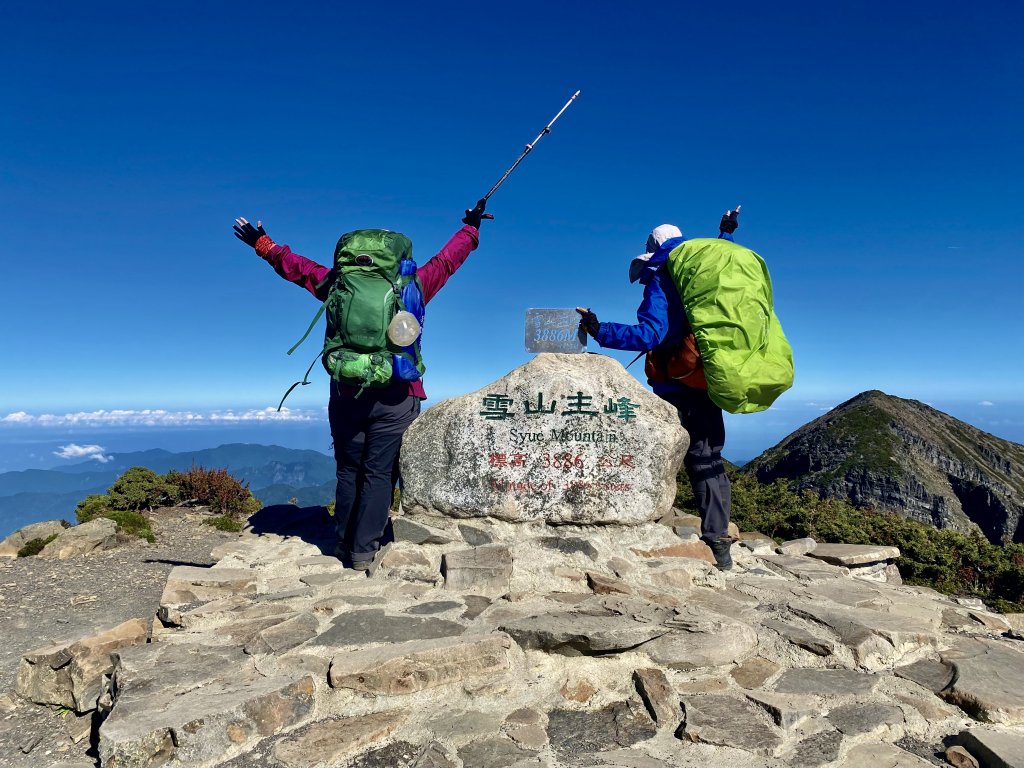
<point x="675" y="374"/>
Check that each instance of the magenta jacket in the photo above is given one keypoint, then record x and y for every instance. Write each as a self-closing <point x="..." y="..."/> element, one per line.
<point x="433" y="275"/>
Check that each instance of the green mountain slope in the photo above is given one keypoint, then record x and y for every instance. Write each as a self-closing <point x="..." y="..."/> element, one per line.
<point x="903" y="456"/>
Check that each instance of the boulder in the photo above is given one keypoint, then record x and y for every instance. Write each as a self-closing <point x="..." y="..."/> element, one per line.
<point x="95" y="535"/>
<point x="563" y="439"/>
<point x="71" y="674"/>
<point x="9" y="547"/>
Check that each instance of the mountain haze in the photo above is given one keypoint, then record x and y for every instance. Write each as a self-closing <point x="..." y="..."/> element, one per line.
<point x="903" y="456"/>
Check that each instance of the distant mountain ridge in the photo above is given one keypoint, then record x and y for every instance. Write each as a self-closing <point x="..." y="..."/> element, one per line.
<point x="274" y="473"/>
<point x="907" y="457"/>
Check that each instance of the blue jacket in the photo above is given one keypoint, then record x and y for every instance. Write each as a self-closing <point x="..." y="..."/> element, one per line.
<point x="662" y="320"/>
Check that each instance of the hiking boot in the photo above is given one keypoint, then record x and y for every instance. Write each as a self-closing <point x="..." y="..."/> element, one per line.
<point x="720" y="549"/>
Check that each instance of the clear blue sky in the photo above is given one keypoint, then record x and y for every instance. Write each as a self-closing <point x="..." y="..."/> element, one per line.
<point x="876" y="149"/>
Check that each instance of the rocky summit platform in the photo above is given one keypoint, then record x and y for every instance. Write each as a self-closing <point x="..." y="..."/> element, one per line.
<point x="488" y="644"/>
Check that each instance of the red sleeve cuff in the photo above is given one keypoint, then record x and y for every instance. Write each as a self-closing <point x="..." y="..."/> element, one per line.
<point x="263" y="246"/>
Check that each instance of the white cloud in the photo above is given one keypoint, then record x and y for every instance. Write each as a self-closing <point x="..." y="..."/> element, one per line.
<point x="986" y="402"/>
<point x="163" y="418"/>
<point x="75" y="451"/>
<point x="18" y="417"/>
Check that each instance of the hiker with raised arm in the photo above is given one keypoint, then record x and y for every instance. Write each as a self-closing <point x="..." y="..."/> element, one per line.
<point x="374" y="297"/>
<point x="681" y="326"/>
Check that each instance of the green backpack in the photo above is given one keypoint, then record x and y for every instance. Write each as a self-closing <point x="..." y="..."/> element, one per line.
<point x="727" y="293"/>
<point x="373" y="278"/>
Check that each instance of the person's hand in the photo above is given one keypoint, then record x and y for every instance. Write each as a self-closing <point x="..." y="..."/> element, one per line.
<point x="247" y="233"/>
<point x="474" y="216"/>
<point x="730" y="221"/>
<point x="588" y="322"/>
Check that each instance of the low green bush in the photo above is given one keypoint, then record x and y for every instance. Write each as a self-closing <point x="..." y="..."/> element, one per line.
<point x="33" y="547"/>
<point x="217" y="489"/>
<point x="132" y="523"/>
<point x="224" y="523"/>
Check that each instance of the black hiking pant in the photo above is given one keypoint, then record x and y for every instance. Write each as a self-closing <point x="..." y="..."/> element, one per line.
<point x="367" y="432"/>
<point x="711" y="488"/>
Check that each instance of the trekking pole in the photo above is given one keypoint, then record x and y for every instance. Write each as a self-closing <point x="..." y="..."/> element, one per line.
<point x="530" y="146"/>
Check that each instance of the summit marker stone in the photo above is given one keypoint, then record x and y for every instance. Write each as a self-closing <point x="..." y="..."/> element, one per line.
<point x="569" y="439"/>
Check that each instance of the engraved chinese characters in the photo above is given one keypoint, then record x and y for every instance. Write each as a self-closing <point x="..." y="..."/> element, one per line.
<point x="562" y="439"/>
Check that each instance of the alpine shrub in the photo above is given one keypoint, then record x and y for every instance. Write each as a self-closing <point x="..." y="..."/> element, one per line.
<point x="217" y="489"/>
<point x="33" y="547"/>
<point x="140" y="488"/>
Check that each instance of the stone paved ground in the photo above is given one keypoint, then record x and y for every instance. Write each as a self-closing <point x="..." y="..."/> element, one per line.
<point x="629" y="652"/>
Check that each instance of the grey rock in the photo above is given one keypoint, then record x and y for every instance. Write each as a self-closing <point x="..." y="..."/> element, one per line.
<point x="93" y="536"/>
<point x="929" y="673"/>
<point x="474" y="536"/>
<point x="888" y="755"/>
<point x="9" y="547"/>
<point x="827" y="682"/>
<point x="434" y="755"/>
<point x="755" y="672"/>
<point x="758" y="546"/>
<point x="417" y="665"/>
<point x="482" y="570"/>
<point x="988" y="682"/>
<point x="71" y="674"/>
<point x="449" y="466"/>
<point x="376" y="626"/>
<point x="702" y="639"/>
<point x="867" y="718"/>
<point x="458" y="728"/>
<point x="569" y="545"/>
<point x="188" y="584"/>
<point x="622" y="724"/>
<point x="818" y="749"/>
<point x="804" y="568"/>
<point x="786" y="709"/>
<point x="475" y="605"/>
<point x="333" y="740"/>
<point x="854" y="554"/>
<point x="797" y="546"/>
<point x="284" y="636"/>
<point x="801" y="637"/>
<point x="436" y="606"/>
<point x="995" y="748"/>
<point x="418" y="533"/>
<point x="729" y="721"/>
<point x="657" y="695"/>
<point x="573" y="634"/>
<point x="493" y="752"/>
<point x="320" y="579"/>
<point x="877" y="640"/>
<point x="624" y="758"/>
<point x="195" y="704"/>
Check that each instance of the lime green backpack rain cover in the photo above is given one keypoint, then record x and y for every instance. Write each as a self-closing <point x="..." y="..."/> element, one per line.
<point x="727" y="294"/>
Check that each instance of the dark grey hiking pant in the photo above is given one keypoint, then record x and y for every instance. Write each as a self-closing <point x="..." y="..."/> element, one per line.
<point x="711" y="488"/>
<point x="367" y="432"/>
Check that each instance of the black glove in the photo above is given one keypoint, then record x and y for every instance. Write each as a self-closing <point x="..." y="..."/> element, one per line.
<point x="476" y="215"/>
<point x="247" y="233"/>
<point x="588" y="322"/>
<point x="730" y="221"/>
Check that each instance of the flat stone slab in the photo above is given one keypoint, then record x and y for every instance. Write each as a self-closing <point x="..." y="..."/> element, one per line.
<point x="699" y="638"/>
<point x="335" y="740"/>
<point x="853" y="554"/>
<point x="755" y="672"/>
<point x="195" y="704"/>
<point x="483" y="570"/>
<point x="729" y="721"/>
<point x="928" y="673"/>
<point x="377" y="626"/>
<point x="71" y="674"/>
<point x="786" y="709"/>
<point x="405" y="668"/>
<point x="574" y="634"/>
<point x="805" y="568"/>
<point x="995" y="748"/>
<point x="187" y="584"/>
<point x="827" y="682"/>
<point x="882" y="756"/>
<point x="877" y="640"/>
<point x="988" y="682"/>
<point x="419" y="533"/>
<point x="858" y="719"/>
<point x="575" y="733"/>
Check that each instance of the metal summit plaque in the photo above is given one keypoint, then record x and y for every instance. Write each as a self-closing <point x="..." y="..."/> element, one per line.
<point x="554" y="330"/>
